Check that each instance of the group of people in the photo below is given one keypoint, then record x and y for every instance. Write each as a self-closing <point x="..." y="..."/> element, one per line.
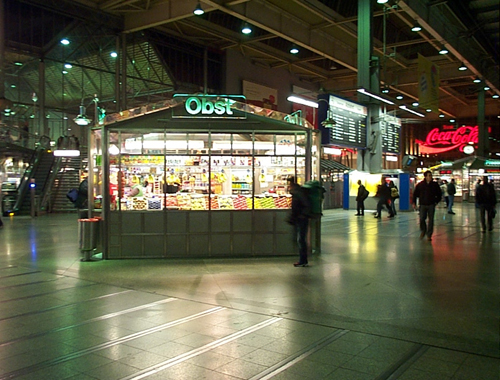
<point x="387" y="193"/>
<point x="448" y="191"/>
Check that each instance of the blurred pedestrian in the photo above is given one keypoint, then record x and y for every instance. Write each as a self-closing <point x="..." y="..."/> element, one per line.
<point x="384" y="199"/>
<point x="486" y="198"/>
<point x="452" y="189"/>
<point x="299" y="218"/>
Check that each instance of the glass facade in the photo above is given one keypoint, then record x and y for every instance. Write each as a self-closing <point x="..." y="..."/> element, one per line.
<point x="203" y="171"/>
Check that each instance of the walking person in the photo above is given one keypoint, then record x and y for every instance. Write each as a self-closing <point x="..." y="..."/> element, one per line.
<point x="444" y="191"/>
<point x="486" y="198"/>
<point x="384" y="194"/>
<point x="428" y="193"/>
<point x="452" y="189"/>
<point x="360" y="199"/>
<point x="394" y="196"/>
<point x="299" y="218"/>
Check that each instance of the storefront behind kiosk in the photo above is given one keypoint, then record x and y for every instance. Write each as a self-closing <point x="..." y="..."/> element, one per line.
<point x="232" y="174"/>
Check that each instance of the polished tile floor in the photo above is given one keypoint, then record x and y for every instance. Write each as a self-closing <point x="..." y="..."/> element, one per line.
<point x="376" y="303"/>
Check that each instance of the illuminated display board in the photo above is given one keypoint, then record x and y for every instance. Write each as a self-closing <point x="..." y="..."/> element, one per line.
<point x="390" y="128"/>
<point x="350" y="122"/>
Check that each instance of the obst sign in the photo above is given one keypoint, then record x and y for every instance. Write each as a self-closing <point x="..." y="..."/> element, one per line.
<point x="208" y="106"/>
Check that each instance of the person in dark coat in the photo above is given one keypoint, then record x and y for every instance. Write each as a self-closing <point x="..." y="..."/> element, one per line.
<point x="384" y="199"/>
<point x="360" y="199"/>
<point x="429" y="194"/>
<point x="452" y="190"/>
<point x="486" y="198"/>
<point x="394" y="196"/>
<point x="82" y="199"/>
<point x="299" y="218"/>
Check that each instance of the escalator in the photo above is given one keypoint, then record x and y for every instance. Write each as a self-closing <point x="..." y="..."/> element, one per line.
<point x="38" y="175"/>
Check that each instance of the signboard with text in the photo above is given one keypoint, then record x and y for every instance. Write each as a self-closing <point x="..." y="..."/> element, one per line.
<point x="448" y="138"/>
<point x="349" y="129"/>
<point x="208" y="106"/>
<point x="390" y="128"/>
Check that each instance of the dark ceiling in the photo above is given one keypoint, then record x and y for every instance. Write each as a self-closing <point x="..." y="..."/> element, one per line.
<point x="164" y="37"/>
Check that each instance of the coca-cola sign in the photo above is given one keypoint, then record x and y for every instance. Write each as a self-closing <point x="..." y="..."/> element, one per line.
<point x="444" y="140"/>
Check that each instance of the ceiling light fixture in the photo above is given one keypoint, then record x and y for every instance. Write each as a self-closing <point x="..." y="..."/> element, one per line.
<point x="477" y="80"/>
<point x="374" y="96"/>
<point x="496" y="96"/>
<point x="382" y="1"/>
<point x="416" y="27"/>
<point x="82" y="119"/>
<point x="462" y="67"/>
<point x="399" y="97"/>
<point x="443" y="50"/>
<point x="415" y="104"/>
<point x="294" y="50"/>
<point x="385" y="90"/>
<point x="198" y="11"/>
<point x="403" y="107"/>
<point x="65" y="41"/>
<point x="246" y="29"/>
<point x="486" y="88"/>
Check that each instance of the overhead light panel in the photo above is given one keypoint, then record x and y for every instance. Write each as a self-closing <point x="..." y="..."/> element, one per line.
<point x="416" y="28"/>
<point x="294" y="50"/>
<point x="305" y="102"/>
<point x="403" y="107"/>
<point x="462" y="67"/>
<point x="198" y="11"/>
<point x="374" y="96"/>
<point x="66" y="153"/>
<point x="443" y="50"/>
<point x="477" y="80"/>
<point x="246" y="29"/>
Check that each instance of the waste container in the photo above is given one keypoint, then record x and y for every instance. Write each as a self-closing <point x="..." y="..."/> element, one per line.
<point x="88" y="233"/>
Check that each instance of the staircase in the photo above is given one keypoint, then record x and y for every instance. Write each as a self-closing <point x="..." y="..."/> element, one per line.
<point x="67" y="178"/>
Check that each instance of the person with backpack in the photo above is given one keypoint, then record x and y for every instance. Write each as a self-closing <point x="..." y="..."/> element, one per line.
<point x="486" y="198"/>
<point x="451" y="188"/>
<point x="360" y="199"/>
<point x="299" y="219"/>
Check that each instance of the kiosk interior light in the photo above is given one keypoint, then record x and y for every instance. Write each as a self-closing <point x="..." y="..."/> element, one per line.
<point x="304" y="102"/>
<point x="332" y="151"/>
<point x="391" y="158"/>
<point x="403" y="107"/>
<point x="368" y="93"/>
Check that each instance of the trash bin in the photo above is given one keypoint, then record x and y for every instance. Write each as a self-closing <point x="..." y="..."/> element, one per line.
<point x="88" y="232"/>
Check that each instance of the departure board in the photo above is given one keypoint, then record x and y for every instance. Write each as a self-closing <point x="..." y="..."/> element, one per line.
<point x="390" y="128"/>
<point x="349" y="129"/>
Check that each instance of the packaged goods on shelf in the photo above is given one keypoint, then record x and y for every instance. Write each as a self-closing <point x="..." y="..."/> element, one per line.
<point x="184" y="201"/>
<point x="226" y="203"/>
<point x="139" y="203"/>
<point x="154" y="204"/>
<point x="199" y="202"/>
<point x="171" y="201"/>
<point x="240" y="203"/>
<point x="214" y="202"/>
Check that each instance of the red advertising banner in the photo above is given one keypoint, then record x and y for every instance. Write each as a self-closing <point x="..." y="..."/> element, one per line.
<point x="445" y="140"/>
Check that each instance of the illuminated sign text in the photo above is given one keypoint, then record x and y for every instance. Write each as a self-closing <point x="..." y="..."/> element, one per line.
<point x="439" y="141"/>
